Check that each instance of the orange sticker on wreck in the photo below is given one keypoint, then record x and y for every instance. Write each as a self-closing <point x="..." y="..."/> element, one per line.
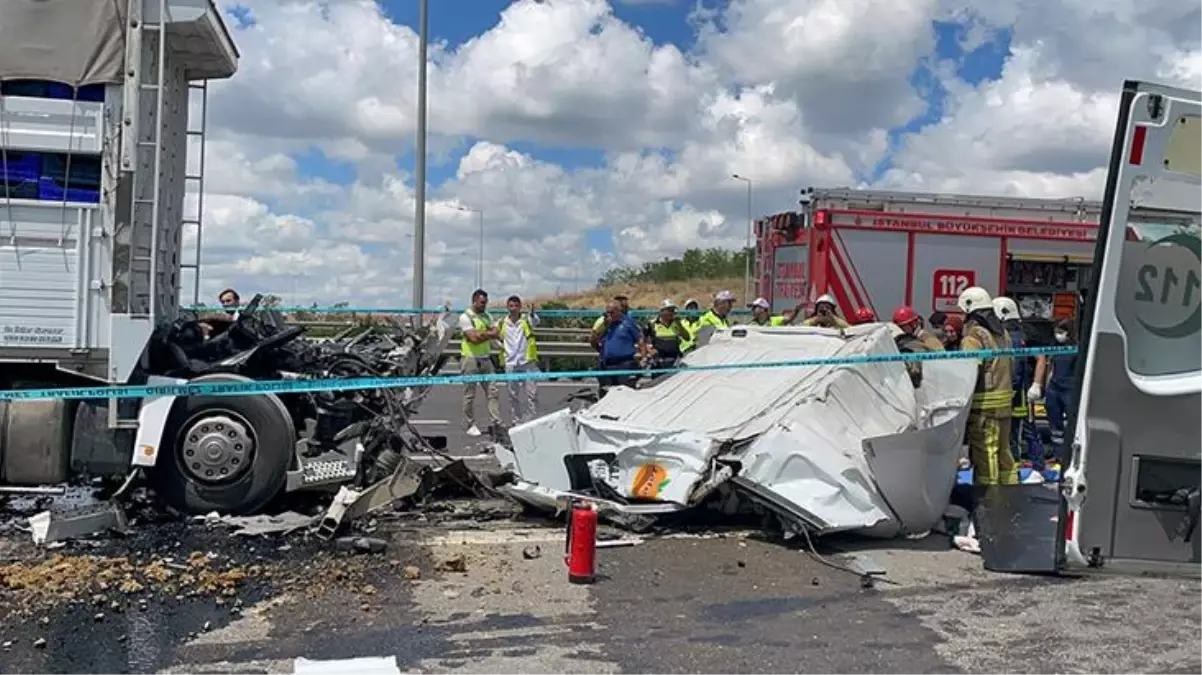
<point x="648" y="481"/>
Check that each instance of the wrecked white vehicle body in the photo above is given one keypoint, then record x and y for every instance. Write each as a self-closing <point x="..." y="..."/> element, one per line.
<point x="848" y="445"/>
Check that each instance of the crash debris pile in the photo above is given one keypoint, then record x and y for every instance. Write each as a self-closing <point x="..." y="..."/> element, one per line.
<point x="844" y="446"/>
<point x="359" y="433"/>
<point x="354" y="437"/>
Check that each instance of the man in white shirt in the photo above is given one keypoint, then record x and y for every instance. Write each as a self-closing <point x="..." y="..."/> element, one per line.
<point x="520" y="352"/>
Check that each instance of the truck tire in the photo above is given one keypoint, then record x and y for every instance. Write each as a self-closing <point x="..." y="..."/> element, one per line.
<point x="228" y="454"/>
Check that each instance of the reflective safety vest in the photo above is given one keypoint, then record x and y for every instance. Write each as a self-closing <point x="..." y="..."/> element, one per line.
<point x="710" y="319"/>
<point x="670" y="340"/>
<point x="994" y="390"/>
<point x="531" y="344"/>
<point x="480" y="349"/>
<point x="772" y="321"/>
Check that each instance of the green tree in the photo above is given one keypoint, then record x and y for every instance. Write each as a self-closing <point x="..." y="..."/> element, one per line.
<point x="694" y="263"/>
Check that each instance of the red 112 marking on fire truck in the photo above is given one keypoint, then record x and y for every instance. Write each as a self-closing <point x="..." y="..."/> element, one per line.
<point x="947" y="285"/>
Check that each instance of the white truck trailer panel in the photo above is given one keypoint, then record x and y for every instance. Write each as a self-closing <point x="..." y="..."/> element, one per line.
<point x="75" y="276"/>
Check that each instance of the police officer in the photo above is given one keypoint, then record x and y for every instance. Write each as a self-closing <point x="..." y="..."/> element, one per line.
<point x="667" y="338"/>
<point x="690" y="321"/>
<point x="761" y="314"/>
<point x="989" y="416"/>
<point x="718" y="317"/>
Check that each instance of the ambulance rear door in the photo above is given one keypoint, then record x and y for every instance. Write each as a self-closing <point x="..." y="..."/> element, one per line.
<point x="1131" y="484"/>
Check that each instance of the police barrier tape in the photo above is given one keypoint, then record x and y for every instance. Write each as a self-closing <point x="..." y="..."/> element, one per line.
<point x="497" y="311"/>
<point x="328" y="385"/>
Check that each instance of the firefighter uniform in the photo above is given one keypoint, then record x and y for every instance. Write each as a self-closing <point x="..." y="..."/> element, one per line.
<point x="989" y="419"/>
<point x="825" y="321"/>
<point x="920" y="342"/>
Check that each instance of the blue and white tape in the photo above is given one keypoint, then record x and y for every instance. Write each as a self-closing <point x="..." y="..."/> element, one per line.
<point x="407" y="311"/>
<point x="329" y="385"/>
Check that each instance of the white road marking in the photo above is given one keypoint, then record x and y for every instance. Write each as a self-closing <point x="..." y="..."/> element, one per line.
<point x="371" y="665"/>
<point x="420" y="422"/>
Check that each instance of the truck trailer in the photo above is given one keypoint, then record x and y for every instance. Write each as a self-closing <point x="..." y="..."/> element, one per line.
<point x="95" y="178"/>
<point x="880" y="249"/>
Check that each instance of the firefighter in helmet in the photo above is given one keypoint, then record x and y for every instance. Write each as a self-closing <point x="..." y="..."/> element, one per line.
<point x="864" y="315"/>
<point x="913" y="338"/>
<point x="1023" y="439"/>
<point x="825" y="314"/>
<point x="989" y="417"/>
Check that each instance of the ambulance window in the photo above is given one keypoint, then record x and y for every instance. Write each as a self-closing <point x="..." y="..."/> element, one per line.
<point x="1159" y="294"/>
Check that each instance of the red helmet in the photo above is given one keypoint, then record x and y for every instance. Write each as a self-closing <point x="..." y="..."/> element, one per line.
<point x="904" y="315"/>
<point x="865" y="315"/>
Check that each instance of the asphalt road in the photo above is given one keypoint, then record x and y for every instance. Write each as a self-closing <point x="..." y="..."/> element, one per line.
<point x="190" y="598"/>
<point x="441" y="413"/>
<point x="675" y="604"/>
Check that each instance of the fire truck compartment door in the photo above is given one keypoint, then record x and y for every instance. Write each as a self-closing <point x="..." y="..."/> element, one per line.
<point x="1131" y="487"/>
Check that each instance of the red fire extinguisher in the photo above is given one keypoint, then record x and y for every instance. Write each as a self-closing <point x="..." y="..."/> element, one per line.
<point x="581" y="545"/>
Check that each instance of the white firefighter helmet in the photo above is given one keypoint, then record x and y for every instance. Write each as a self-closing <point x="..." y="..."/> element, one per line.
<point x="827" y="298"/>
<point x="1005" y="308"/>
<point x="974" y="299"/>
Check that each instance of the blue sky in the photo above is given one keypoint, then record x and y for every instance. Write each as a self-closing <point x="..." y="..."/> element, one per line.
<point x="664" y="21"/>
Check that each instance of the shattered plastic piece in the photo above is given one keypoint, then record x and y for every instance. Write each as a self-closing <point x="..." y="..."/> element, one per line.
<point x="361" y="545"/>
<point x="283" y="523"/>
<point x="49" y="527"/>
<point x="532" y="552"/>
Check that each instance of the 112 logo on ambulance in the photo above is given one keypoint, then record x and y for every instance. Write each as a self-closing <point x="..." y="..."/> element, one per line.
<point x="1168" y="286"/>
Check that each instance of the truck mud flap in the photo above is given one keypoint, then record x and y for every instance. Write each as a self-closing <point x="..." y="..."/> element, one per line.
<point x="1017" y="527"/>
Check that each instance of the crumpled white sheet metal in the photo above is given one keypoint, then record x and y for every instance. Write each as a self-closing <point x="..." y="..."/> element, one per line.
<point x="736" y="404"/>
<point x="850" y="446"/>
<point x="652" y="465"/>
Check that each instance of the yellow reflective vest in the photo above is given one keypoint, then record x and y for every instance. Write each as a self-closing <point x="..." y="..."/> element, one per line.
<point x="710" y="319"/>
<point x="479" y="349"/>
<point x="531" y="345"/>
<point x="772" y="321"/>
<point x="665" y="337"/>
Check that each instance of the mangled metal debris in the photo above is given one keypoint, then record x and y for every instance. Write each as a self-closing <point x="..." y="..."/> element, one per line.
<point x="848" y="446"/>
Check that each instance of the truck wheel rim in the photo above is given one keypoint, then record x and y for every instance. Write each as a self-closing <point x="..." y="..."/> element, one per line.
<point x="218" y="446"/>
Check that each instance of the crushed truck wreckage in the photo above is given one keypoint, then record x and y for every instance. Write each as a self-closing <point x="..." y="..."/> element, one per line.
<point x="828" y="448"/>
<point x="236" y="455"/>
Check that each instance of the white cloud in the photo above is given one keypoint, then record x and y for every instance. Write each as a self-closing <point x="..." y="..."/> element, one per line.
<point x="787" y="92"/>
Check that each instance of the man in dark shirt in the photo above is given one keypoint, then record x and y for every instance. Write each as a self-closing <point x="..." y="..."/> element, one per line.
<point x="619" y="343"/>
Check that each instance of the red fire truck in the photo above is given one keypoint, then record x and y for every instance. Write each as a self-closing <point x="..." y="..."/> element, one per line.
<point x="880" y="249"/>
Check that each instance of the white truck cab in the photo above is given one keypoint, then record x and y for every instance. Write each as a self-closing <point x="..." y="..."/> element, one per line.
<point x="1131" y="482"/>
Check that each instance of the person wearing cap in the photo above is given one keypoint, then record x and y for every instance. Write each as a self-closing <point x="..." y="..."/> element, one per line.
<point x="761" y="314"/>
<point x="667" y="338"/>
<point x="826" y="315"/>
<point x="690" y="321"/>
<point x="719" y="316"/>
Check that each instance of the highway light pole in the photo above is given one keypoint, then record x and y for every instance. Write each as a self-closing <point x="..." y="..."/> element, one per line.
<point x="419" y="215"/>
<point x="747" y="247"/>
<point x="480" y="252"/>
